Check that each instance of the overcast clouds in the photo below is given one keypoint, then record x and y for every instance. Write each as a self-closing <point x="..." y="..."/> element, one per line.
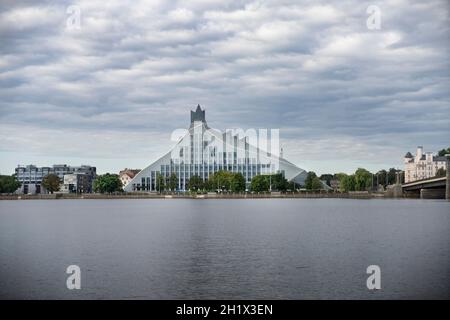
<point x="110" y="93"/>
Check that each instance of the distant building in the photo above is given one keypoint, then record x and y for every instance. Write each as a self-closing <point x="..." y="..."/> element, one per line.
<point x="80" y="182"/>
<point x="334" y="184"/>
<point x="31" y="176"/>
<point x="202" y="151"/>
<point x="422" y="165"/>
<point x="127" y="175"/>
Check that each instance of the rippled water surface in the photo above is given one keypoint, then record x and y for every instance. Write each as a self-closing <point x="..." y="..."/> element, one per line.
<point x="241" y="249"/>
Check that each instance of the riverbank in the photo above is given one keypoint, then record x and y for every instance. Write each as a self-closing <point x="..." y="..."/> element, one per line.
<point x="305" y="195"/>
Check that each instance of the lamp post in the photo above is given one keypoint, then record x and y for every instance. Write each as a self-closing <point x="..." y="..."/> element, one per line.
<point x="270" y="176"/>
<point x="447" y="180"/>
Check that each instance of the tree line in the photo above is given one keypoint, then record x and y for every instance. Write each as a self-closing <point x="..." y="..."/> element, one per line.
<point x="225" y="181"/>
<point x="363" y="180"/>
<point x="221" y="181"/>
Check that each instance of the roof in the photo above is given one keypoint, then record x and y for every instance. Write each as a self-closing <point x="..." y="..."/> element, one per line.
<point x="439" y="158"/>
<point x="129" y="172"/>
<point x="408" y="155"/>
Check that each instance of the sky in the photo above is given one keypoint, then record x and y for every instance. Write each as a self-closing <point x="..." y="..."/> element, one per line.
<point x="105" y="83"/>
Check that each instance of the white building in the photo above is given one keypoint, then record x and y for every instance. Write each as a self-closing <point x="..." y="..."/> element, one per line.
<point x="202" y="151"/>
<point x="422" y="165"/>
<point x="127" y="175"/>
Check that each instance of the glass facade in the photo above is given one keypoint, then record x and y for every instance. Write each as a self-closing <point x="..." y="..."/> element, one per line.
<point x="202" y="151"/>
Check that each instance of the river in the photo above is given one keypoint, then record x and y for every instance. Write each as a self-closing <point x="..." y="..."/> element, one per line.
<point x="225" y="248"/>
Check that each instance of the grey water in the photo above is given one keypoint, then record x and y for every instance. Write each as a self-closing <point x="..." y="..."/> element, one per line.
<point x="225" y="249"/>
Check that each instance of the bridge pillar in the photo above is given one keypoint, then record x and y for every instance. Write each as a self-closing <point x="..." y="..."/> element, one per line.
<point x="432" y="193"/>
<point x="447" y="181"/>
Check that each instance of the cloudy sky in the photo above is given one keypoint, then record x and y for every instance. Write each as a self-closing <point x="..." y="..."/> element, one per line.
<point x="110" y="92"/>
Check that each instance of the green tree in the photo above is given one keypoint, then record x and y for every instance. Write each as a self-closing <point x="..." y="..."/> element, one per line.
<point x="381" y="177"/>
<point x="9" y="184"/>
<point x="443" y="152"/>
<point x="292" y="186"/>
<point x="237" y="183"/>
<point x="310" y="177"/>
<point x="316" y="184"/>
<point x="327" y="177"/>
<point x="259" y="183"/>
<point x="363" y="179"/>
<point x="51" y="182"/>
<point x="346" y="182"/>
<point x="441" y="172"/>
<point x="221" y="180"/>
<point x="392" y="175"/>
<point x="107" y="183"/>
<point x="173" y="182"/>
<point x="195" y="183"/>
<point x="160" y="182"/>
<point x="278" y="182"/>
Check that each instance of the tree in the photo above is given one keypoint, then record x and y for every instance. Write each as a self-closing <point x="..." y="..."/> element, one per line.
<point x="237" y="183"/>
<point x="51" y="182"/>
<point x="278" y="181"/>
<point x="363" y="179"/>
<point x="195" y="183"/>
<point x="441" y="172"/>
<point x="221" y="180"/>
<point x="292" y="186"/>
<point x="312" y="182"/>
<point x="381" y="176"/>
<point x="173" y="182"/>
<point x="392" y="175"/>
<point x="107" y="183"/>
<point x="309" y="180"/>
<point x="327" y="177"/>
<point x="346" y="182"/>
<point x="259" y="183"/>
<point x="160" y="182"/>
<point x="9" y="184"/>
<point x="316" y="184"/>
<point x="443" y="152"/>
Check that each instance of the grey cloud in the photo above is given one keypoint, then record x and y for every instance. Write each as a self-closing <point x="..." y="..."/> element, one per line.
<point x="310" y="68"/>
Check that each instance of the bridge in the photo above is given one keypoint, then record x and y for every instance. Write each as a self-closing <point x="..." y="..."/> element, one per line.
<point x="432" y="188"/>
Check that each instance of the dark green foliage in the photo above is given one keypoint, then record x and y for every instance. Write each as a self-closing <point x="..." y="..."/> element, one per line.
<point x="9" y="184"/>
<point x="107" y="183"/>
<point x="173" y="182"/>
<point x="443" y="152"/>
<point x="51" y="182"/>
<point x="195" y="183"/>
<point x="260" y="183"/>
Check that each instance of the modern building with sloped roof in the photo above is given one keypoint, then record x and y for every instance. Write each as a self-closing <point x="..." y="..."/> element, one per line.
<point x="202" y="151"/>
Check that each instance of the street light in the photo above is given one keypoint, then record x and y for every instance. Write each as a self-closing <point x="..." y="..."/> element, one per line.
<point x="447" y="180"/>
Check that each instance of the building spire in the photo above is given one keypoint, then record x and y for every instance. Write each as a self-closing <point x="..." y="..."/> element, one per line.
<point x="198" y="115"/>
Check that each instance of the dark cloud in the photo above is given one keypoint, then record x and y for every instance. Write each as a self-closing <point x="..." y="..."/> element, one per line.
<point x="342" y="95"/>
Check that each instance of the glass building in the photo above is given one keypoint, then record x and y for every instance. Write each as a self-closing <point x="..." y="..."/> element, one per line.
<point x="202" y="151"/>
<point x="31" y="176"/>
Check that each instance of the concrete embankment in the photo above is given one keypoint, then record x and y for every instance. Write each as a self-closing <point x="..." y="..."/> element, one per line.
<point x="276" y="195"/>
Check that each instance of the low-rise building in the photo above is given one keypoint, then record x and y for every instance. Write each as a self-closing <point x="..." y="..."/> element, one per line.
<point x="422" y="165"/>
<point x="127" y="175"/>
<point x="79" y="182"/>
<point x="334" y="184"/>
<point x="31" y="176"/>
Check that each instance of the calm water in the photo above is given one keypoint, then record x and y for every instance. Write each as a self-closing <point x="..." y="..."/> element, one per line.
<point x="242" y="249"/>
